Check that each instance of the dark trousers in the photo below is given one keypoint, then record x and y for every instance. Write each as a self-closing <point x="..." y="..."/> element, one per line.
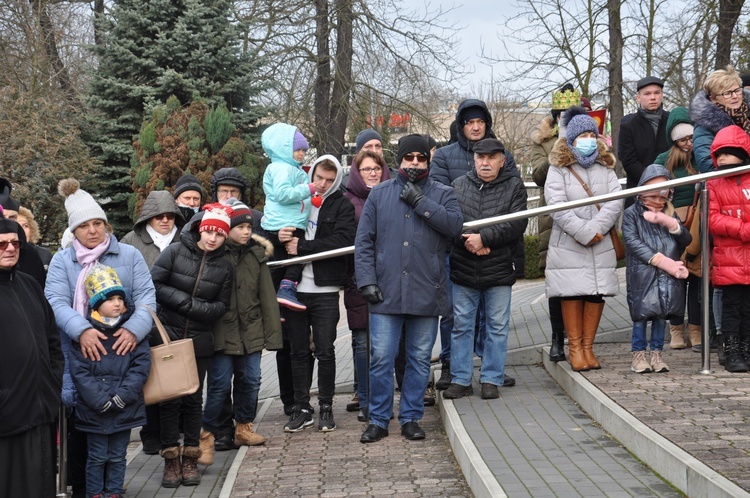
<point x="692" y="295"/>
<point x="78" y="453"/>
<point x="291" y="272"/>
<point x="27" y="465"/>
<point x="321" y="316"/>
<point x="190" y="407"/>
<point x="555" y="315"/>
<point x="151" y="431"/>
<point x="735" y="315"/>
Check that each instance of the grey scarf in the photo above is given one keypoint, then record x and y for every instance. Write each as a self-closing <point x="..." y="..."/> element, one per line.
<point x="653" y="117"/>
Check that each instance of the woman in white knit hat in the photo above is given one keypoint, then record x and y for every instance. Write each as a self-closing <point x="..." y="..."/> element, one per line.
<point x="93" y="243"/>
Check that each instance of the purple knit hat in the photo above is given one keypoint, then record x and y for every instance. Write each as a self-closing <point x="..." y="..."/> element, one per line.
<point x="299" y="142"/>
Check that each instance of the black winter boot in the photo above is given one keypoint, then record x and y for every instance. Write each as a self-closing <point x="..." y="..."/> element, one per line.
<point x="720" y="350"/>
<point x="733" y="350"/>
<point x="445" y="377"/>
<point x="557" y="350"/>
<point x="745" y="348"/>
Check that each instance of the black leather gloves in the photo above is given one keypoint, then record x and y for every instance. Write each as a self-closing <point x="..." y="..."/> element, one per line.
<point x="372" y="294"/>
<point x="411" y="194"/>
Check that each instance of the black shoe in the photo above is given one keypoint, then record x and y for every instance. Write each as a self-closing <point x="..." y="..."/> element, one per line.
<point x="509" y="381"/>
<point x="325" y="419"/>
<point x="720" y="352"/>
<point x="361" y="417"/>
<point x="445" y="377"/>
<point x="353" y="406"/>
<point x="733" y="351"/>
<point x="490" y="391"/>
<point x="557" y="349"/>
<point x="456" y="391"/>
<point x="223" y="442"/>
<point x="373" y="434"/>
<point x="412" y="431"/>
<point x="151" y="446"/>
<point x="300" y="419"/>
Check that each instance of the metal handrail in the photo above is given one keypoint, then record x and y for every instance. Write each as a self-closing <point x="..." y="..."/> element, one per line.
<point x="529" y="213"/>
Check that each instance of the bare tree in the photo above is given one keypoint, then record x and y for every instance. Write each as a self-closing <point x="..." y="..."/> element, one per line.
<point x="729" y="13"/>
<point x="614" y="90"/>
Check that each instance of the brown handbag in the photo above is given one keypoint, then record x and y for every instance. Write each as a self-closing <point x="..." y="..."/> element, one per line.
<point x="617" y="244"/>
<point x="174" y="372"/>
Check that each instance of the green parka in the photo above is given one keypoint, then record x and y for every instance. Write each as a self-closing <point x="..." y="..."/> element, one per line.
<point x="252" y="321"/>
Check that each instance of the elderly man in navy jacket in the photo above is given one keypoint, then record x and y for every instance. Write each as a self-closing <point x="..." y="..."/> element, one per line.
<point x="400" y="269"/>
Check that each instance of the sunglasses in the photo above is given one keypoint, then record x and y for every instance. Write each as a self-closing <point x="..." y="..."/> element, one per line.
<point x="419" y="157"/>
<point x="4" y="244"/>
<point x="168" y="216"/>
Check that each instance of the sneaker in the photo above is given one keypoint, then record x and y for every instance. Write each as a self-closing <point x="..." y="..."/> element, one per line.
<point x="325" y="419"/>
<point x="490" y="391"/>
<point x="300" y="419"/>
<point x="287" y="296"/>
<point x="640" y="365"/>
<point x="456" y="391"/>
<point x="657" y="365"/>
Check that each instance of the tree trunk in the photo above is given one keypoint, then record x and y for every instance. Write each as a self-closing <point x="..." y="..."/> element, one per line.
<point x="729" y="13"/>
<point x="342" y="83"/>
<point x="615" y="75"/>
<point x="50" y="47"/>
<point x="322" y="89"/>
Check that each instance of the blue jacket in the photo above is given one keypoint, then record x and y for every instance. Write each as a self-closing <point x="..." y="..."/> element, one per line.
<point x="98" y="381"/>
<point x="61" y="281"/>
<point x="708" y="119"/>
<point x="402" y="249"/>
<point x="652" y="293"/>
<point x="285" y="183"/>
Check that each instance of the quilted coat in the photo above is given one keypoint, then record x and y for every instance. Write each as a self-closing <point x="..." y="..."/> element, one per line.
<point x="543" y="138"/>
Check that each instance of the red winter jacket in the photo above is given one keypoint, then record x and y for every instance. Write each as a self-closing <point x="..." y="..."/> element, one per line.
<point x="729" y="215"/>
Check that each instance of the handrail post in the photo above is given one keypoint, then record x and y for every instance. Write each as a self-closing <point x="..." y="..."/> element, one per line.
<point x="705" y="278"/>
<point x="62" y="476"/>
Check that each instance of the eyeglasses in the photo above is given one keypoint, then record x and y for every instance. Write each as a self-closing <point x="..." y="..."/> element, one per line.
<point x="419" y="157"/>
<point x="730" y="93"/>
<point x="369" y="171"/>
<point x="4" y="244"/>
<point x="168" y="216"/>
<point x="684" y="140"/>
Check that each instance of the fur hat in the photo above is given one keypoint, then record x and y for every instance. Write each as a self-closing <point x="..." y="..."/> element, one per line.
<point x="6" y="201"/>
<point x="185" y="183"/>
<point x="240" y="213"/>
<point x="365" y="136"/>
<point x="102" y="282"/>
<point x="79" y="204"/>
<point x="299" y="142"/>
<point x="216" y="219"/>
<point x="577" y="121"/>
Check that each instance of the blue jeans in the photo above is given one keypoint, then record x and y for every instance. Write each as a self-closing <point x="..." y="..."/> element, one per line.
<point x="466" y="302"/>
<point x="246" y="372"/>
<point x="718" y="295"/>
<point x="385" y="334"/>
<point x="107" y="452"/>
<point x="322" y="316"/>
<point x="658" y="326"/>
<point x="360" y="364"/>
<point x="446" y="321"/>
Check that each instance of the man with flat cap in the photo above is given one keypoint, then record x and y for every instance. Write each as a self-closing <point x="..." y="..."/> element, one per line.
<point x="643" y="134"/>
<point x="481" y="265"/>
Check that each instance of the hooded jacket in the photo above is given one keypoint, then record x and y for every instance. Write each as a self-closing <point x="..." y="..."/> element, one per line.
<point x="334" y="228"/>
<point x="638" y="145"/>
<point x="284" y="182"/>
<point x="729" y="216"/>
<point x="543" y="138"/>
<point x="455" y="160"/>
<point x="187" y="310"/>
<point x="683" y="196"/>
<point x="479" y="199"/>
<point x="31" y="359"/>
<point x="709" y="120"/>
<point x="402" y="249"/>
<point x="573" y="269"/>
<point x="157" y="202"/>
<point x="652" y="293"/>
<point x="252" y="321"/>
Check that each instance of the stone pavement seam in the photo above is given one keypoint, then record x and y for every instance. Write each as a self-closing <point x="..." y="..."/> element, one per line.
<point x="478" y="475"/>
<point x="682" y="470"/>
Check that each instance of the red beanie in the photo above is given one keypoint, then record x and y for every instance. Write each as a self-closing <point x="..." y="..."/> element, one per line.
<point x="215" y="219"/>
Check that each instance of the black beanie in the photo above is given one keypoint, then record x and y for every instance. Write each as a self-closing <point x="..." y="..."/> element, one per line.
<point x="412" y="143"/>
<point x="365" y="136"/>
<point x="6" y="201"/>
<point x="185" y="183"/>
<point x="738" y="152"/>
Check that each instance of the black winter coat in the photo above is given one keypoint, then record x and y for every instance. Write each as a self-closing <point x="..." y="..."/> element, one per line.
<point x="336" y="229"/>
<point x="31" y="359"/>
<point x="639" y="146"/>
<point x="98" y="381"/>
<point x="478" y="199"/>
<point x="175" y="272"/>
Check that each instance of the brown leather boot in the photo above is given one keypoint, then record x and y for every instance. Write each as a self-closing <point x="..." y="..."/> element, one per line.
<point x="678" y="336"/>
<point x="244" y="434"/>
<point x="592" y="314"/>
<point x="572" y="311"/>
<point x="191" y="476"/>
<point x="172" y="468"/>
<point x="207" y="448"/>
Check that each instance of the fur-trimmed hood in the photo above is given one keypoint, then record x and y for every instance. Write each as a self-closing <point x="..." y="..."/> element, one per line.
<point x="545" y="130"/>
<point x="265" y="244"/>
<point x="562" y="157"/>
<point x="705" y="113"/>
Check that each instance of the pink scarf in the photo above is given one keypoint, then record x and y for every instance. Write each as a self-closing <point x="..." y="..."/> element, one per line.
<point x="86" y="258"/>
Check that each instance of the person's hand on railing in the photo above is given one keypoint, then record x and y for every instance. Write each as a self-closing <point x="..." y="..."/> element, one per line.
<point x="372" y="294"/>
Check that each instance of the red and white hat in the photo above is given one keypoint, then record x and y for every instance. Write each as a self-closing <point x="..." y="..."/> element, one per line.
<point x="215" y="219"/>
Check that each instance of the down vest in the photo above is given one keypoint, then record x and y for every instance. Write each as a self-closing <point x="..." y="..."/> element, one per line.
<point x="729" y="216"/>
<point x="478" y="199"/>
<point x="652" y="293"/>
<point x="573" y="268"/>
<point x="175" y="272"/>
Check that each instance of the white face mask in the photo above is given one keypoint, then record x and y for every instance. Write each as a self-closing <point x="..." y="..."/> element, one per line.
<point x="195" y="209"/>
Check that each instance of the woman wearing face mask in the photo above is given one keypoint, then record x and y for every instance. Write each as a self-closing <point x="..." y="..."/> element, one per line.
<point x="680" y="162"/>
<point x="581" y="259"/>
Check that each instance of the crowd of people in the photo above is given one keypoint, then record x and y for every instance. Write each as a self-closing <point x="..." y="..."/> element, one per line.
<point x="82" y="322"/>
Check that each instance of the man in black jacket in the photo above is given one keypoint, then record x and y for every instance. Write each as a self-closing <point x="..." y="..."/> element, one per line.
<point x="31" y="367"/>
<point x="331" y="226"/>
<point x="643" y="134"/>
<point x="481" y="265"/>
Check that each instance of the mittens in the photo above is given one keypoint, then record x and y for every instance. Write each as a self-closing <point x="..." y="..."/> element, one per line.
<point x="675" y="268"/>
<point x="662" y="219"/>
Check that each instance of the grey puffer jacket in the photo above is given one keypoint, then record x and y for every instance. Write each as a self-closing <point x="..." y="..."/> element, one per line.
<point x="573" y="269"/>
<point x="158" y="202"/>
<point x="652" y="293"/>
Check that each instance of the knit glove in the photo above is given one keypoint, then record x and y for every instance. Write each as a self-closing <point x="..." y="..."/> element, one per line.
<point x="675" y="268"/>
<point x="662" y="219"/>
<point x="372" y="294"/>
<point x="311" y="186"/>
<point x="411" y="194"/>
<point x="115" y="404"/>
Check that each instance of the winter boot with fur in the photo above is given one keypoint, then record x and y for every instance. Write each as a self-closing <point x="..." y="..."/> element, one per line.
<point x="172" y="468"/>
<point x="678" y="336"/>
<point x="191" y="476"/>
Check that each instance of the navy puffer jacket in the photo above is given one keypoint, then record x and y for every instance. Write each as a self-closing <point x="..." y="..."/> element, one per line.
<point x="652" y="293"/>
